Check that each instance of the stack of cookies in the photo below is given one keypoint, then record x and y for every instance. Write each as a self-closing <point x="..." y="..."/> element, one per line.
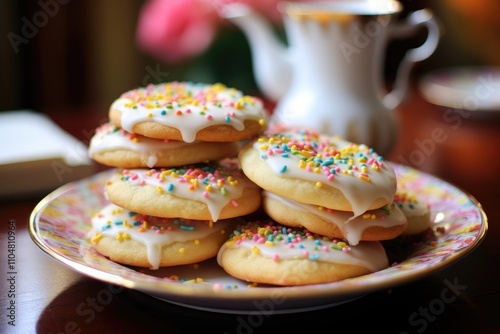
<point x="178" y="186"/>
<point x="330" y="203"/>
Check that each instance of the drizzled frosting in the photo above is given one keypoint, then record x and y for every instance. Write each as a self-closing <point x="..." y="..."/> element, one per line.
<point x="121" y="224"/>
<point x="109" y="137"/>
<point x="188" y="107"/>
<point x="387" y="216"/>
<point x="216" y="185"/>
<point x="283" y="243"/>
<point x="356" y="170"/>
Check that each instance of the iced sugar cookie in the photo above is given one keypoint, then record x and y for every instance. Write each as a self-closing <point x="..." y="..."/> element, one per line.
<point x="216" y="190"/>
<point x="417" y="212"/>
<point x="188" y="111"/>
<point x="385" y="223"/>
<point x="116" y="147"/>
<point x="312" y="168"/>
<point x="133" y="239"/>
<point x="273" y="254"/>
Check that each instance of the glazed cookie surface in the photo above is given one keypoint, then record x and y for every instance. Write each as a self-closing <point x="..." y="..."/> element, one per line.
<point x="385" y="223"/>
<point x="202" y="191"/>
<point x="312" y="168"/>
<point x="116" y="147"/>
<point x="417" y="212"/>
<point x="273" y="254"/>
<point x="186" y="111"/>
<point x="133" y="239"/>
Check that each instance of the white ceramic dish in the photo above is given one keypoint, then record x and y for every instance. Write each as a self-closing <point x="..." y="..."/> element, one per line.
<point x="59" y="225"/>
<point x="469" y="88"/>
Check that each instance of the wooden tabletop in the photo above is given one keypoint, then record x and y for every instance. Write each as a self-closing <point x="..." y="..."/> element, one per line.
<point x="52" y="298"/>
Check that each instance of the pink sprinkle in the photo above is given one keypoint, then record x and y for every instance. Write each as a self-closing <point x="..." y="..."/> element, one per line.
<point x="261" y="240"/>
<point x="276" y="258"/>
<point x="331" y="177"/>
<point x="205" y="194"/>
<point x="370" y="161"/>
<point x="143" y="182"/>
<point x="188" y="111"/>
<point x="270" y="152"/>
<point x="234" y="203"/>
<point x="209" y="117"/>
<point x="279" y="150"/>
<point x="134" y="176"/>
<point x="324" y="248"/>
<point x="355" y="167"/>
<point x="305" y="253"/>
<point x="158" y="231"/>
<point x="345" y="249"/>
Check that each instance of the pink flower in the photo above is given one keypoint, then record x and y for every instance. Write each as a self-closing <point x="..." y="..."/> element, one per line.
<point x="173" y="30"/>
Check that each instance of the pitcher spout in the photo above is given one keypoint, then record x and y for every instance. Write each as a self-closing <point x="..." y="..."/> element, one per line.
<point x="271" y="65"/>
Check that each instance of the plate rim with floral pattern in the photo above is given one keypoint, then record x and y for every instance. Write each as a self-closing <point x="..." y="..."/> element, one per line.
<point x="60" y="222"/>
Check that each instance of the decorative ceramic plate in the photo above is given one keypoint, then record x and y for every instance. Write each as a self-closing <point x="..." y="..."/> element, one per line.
<point x="60" y="223"/>
<point x="472" y="88"/>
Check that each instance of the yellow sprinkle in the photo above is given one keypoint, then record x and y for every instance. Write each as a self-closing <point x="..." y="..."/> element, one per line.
<point x="319" y="184"/>
<point x="366" y="215"/>
<point x="150" y="115"/>
<point x="375" y="167"/>
<point x="199" y="280"/>
<point x="269" y="243"/>
<point x="317" y="170"/>
<point x="197" y="242"/>
<point x="174" y="277"/>
<point x="362" y="159"/>
<point x="341" y="244"/>
<point x="182" y="250"/>
<point x="255" y="249"/>
<point x="365" y="178"/>
<point x="96" y="238"/>
<point x="160" y="190"/>
<point x="263" y="147"/>
<point x="119" y="237"/>
<point x="262" y="122"/>
<point x="126" y="236"/>
<point x="135" y="140"/>
<point x="230" y="243"/>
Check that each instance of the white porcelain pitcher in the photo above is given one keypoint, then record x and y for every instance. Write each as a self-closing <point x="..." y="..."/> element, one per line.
<point x="330" y="76"/>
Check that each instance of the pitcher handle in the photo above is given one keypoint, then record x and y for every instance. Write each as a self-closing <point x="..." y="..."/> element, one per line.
<point x="419" y="18"/>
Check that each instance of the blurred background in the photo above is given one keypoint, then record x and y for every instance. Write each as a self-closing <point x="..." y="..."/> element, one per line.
<point x="61" y="53"/>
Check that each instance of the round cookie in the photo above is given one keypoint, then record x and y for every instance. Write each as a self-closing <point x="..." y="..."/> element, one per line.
<point x="116" y="147"/>
<point x="272" y="254"/>
<point x="145" y="241"/>
<point x="312" y="168"/>
<point x="203" y="191"/>
<point x="385" y="223"/>
<point x="188" y="111"/>
<point x="417" y="212"/>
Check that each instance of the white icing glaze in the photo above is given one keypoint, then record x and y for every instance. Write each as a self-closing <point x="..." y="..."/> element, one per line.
<point x="108" y="137"/>
<point x="356" y="170"/>
<point x="153" y="232"/>
<point x="216" y="185"/>
<point x="188" y="107"/>
<point x="352" y="229"/>
<point x="288" y="243"/>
